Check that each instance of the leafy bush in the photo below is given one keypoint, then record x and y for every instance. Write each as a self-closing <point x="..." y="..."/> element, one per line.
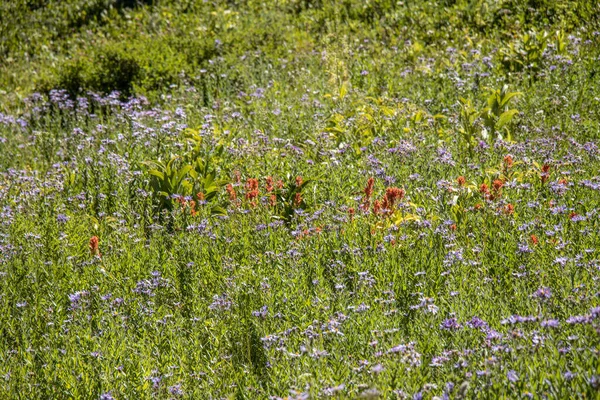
<point x="115" y="70"/>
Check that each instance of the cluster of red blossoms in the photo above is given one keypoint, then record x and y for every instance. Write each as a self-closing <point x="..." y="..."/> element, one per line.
<point x="495" y="192"/>
<point x="191" y="203"/>
<point x="94" y="247"/>
<point x="508" y="162"/>
<point x="545" y="175"/>
<point x="252" y="191"/>
<point x="384" y="206"/>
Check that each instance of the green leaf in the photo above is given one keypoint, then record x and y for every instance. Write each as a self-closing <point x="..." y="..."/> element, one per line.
<point x="182" y="173"/>
<point x="505" y="118"/>
<point x="157" y="173"/>
<point x="343" y="90"/>
<point x="507" y="98"/>
<point x="218" y="210"/>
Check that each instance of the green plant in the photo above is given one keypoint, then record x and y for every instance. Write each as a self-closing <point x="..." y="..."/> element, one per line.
<point x="168" y="179"/>
<point x="468" y="127"/>
<point x="290" y="198"/>
<point x="497" y="115"/>
<point x="116" y="69"/>
<point x="526" y="54"/>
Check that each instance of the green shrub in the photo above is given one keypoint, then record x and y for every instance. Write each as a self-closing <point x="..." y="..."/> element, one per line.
<point x="116" y="70"/>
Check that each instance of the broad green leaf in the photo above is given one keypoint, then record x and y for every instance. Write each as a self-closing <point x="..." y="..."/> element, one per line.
<point x="505" y="118"/>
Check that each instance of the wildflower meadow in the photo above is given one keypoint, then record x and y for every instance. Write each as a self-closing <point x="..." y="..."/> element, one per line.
<point x="299" y="199"/>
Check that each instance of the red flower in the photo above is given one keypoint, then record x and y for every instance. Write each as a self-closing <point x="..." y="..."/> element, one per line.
<point x="299" y="181"/>
<point x="200" y="196"/>
<point x="392" y="195"/>
<point x="461" y="180"/>
<point x="369" y="187"/>
<point x="376" y="207"/>
<point x="509" y="209"/>
<point x="251" y="189"/>
<point x="231" y="192"/>
<point x="508" y="161"/>
<point x="545" y="173"/>
<point x="269" y="185"/>
<point x="368" y="192"/>
<point x="497" y="184"/>
<point x="94" y="246"/>
<point x="534" y="239"/>
<point x="252" y="184"/>
<point x="484" y="189"/>
<point x="297" y="199"/>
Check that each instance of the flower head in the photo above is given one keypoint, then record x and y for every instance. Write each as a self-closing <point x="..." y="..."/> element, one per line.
<point x="94" y="246"/>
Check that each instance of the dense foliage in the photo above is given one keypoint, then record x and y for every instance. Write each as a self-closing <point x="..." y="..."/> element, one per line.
<point x="301" y="199"/>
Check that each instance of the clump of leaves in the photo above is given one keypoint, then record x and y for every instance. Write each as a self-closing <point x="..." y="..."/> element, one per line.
<point x="168" y="179"/>
<point x="290" y="198"/>
<point x="205" y="172"/>
<point x="175" y="178"/>
<point x="526" y="53"/>
<point x="497" y="114"/>
<point x="496" y="117"/>
<point x="468" y="127"/>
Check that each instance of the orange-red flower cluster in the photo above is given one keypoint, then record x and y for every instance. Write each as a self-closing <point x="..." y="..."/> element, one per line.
<point x="386" y="205"/>
<point x="392" y="195"/>
<point x="269" y="185"/>
<point x="545" y="175"/>
<point x="368" y="190"/>
<point x="297" y="199"/>
<point x="192" y="205"/>
<point x="231" y="192"/>
<point x="534" y="239"/>
<point x="496" y="191"/>
<point x="252" y="190"/>
<point x="94" y="246"/>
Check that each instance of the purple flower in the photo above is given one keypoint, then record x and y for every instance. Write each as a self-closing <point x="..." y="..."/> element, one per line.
<point x="450" y="324"/>
<point x="478" y="323"/>
<point x="176" y="390"/>
<point x="543" y="293"/>
<point x="568" y="375"/>
<point x="378" y="368"/>
<point x="550" y="323"/>
<point x="512" y="376"/>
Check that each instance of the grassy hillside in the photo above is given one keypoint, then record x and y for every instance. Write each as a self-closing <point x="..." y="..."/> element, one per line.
<point x="299" y="199"/>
